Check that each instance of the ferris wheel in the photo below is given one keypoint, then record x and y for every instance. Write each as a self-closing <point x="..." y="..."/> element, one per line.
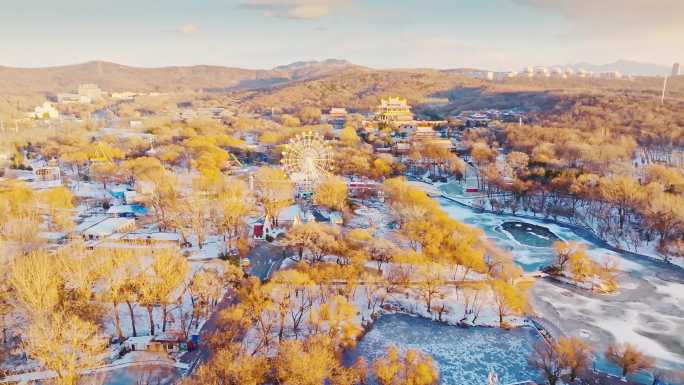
<point x="307" y="159"/>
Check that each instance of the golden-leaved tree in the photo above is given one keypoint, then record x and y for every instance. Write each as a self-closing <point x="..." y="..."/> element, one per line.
<point x="629" y="358"/>
<point x="273" y="190"/>
<point x="332" y="193"/>
<point x="405" y="368"/>
<point x="65" y="344"/>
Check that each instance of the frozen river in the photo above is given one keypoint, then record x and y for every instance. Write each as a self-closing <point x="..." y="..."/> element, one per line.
<point x="464" y="356"/>
<point x="648" y="311"/>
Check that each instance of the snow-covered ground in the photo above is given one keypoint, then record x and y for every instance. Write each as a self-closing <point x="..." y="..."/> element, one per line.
<point x="176" y="312"/>
<point x="371" y="214"/>
<point x="648" y="311"/>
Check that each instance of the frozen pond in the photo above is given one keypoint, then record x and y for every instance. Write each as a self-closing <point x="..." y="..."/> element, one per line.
<point x="464" y="356"/>
<point x="135" y="375"/>
<point x="529" y="234"/>
<point x="648" y="310"/>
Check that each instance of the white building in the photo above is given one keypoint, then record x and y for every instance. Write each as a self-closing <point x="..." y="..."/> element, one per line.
<point x="582" y="73"/>
<point x="108" y="227"/>
<point x="72" y="98"/>
<point x="542" y="72"/>
<point x="505" y="75"/>
<point x="86" y="94"/>
<point x="611" y="75"/>
<point x="90" y="91"/>
<point x="484" y="75"/>
<point x="45" y="111"/>
<point x="126" y="95"/>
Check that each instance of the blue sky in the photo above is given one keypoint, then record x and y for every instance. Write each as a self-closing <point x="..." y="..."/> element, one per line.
<point x="494" y="34"/>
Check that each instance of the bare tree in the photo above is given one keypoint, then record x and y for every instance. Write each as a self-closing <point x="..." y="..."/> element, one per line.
<point x="546" y="359"/>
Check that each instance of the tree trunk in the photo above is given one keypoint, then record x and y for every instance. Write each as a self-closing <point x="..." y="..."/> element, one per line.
<point x="164" y="313"/>
<point x="130" y="311"/>
<point x="281" y="328"/>
<point x="117" y="321"/>
<point x="150" y="308"/>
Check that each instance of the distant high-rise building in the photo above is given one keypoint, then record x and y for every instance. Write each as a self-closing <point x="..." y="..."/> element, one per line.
<point x="675" y="69"/>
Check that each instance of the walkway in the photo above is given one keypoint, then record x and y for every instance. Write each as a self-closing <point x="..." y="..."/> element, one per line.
<point x="202" y="353"/>
<point x="600" y="378"/>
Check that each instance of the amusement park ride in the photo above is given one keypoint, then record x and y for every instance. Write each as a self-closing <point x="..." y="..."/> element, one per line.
<point x="307" y="159"/>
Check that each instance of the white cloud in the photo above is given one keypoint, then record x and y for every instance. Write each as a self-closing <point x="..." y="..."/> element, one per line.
<point x="628" y="14"/>
<point x="295" y="9"/>
<point x="645" y="30"/>
<point x="188" y="29"/>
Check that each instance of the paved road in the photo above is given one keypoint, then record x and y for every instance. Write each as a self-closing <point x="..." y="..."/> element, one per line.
<point x="202" y="353"/>
<point x="265" y="258"/>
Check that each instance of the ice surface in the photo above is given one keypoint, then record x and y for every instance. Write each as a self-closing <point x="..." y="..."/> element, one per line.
<point x="464" y="355"/>
<point x="648" y="311"/>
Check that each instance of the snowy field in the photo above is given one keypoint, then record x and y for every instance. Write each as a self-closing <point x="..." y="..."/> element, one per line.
<point x="464" y="355"/>
<point x="647" y="311"/>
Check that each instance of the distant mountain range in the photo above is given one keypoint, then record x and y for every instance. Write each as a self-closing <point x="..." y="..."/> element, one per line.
<point x="627" y="67"/>
<point x="117" y="77"/>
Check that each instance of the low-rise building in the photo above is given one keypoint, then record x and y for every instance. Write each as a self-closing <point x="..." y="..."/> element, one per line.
<point x="108" y="227"/>
<point x="86" y="94"/>
<point x="336" y="117"/>
<point x="45" y="111"/>
<point x="90" y="91"/>
<point x="401" y="148"/>
<point x="393" y="109"/>
<point x="73" y="98"/>
<point x="424" y="133"/>
<point x="188" y="113"/>
<point x="163" y="343"/>
<point x="126" y="95"/>
<point x="48" y="176"/>
<point x="127" y="211"/>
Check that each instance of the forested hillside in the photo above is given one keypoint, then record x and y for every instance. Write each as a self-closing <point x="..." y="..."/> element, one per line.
<point x="117" y="77"/>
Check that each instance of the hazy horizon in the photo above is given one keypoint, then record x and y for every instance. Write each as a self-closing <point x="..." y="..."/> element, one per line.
<point x="262" y="34"/>
<point x="275" y="65"/>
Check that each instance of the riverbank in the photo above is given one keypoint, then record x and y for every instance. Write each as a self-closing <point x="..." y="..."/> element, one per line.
<point x="582" y="231"/>
<point x="648" y="311"/>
